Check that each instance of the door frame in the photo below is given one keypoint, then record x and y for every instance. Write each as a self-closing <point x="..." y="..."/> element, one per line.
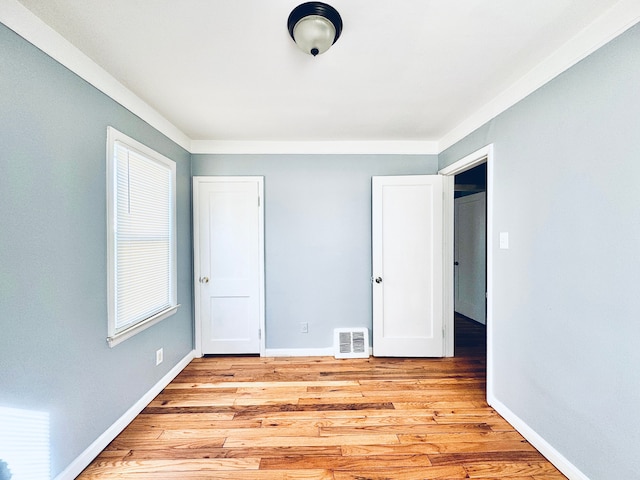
<point x="483" y="155"/>
<point x="198" y="180"/>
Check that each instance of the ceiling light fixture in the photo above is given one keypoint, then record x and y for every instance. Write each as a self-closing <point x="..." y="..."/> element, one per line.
<point x="314" y="26"/>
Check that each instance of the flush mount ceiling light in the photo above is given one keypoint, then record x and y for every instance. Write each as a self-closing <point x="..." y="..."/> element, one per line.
<point x="314" y="26"/>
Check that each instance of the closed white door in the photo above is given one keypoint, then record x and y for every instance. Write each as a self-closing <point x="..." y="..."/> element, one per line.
<point x="407" y="266"/>
<point x="229" y="265"/>
<point x="471" y="256"/>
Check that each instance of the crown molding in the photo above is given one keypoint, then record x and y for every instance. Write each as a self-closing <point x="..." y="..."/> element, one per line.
<point x="26" y="24"/>
<point x="619" y="18"/>
<point x="321" y="147"/>
<point x="615" y="21"/>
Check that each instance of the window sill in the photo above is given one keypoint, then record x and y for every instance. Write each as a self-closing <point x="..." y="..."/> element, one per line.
<point x="138" y="327"/>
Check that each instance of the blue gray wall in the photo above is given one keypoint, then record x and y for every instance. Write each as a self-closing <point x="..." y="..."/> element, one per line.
<point x="566" y="327"/>
<point x="317" y="237"/>
<point x="53" y="280"/>
<point x="565" y="321"/>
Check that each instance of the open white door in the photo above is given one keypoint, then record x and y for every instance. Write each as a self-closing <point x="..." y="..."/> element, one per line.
<point x="407" y="266"/>
<point x="470" y="249"/>
<point x="228" y="264"/>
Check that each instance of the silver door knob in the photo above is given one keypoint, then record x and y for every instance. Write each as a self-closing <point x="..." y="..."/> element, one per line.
<point x="378" y="279"/>
<point x="204" y="279"/>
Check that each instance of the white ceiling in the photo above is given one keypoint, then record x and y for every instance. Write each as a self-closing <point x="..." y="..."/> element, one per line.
<point x="402" y="71"/>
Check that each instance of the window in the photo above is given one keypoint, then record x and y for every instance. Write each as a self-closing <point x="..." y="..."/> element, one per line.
<point x="141" y="236"/>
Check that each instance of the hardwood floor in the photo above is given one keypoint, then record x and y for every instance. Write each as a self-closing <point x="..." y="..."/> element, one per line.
<point x="320" y="418"/>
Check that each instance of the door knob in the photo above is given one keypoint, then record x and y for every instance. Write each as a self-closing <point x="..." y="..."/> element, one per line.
<point x="204" y="279"/>
<point x="378" y="279"/>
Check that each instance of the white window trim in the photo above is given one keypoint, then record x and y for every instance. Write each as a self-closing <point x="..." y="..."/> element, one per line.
<point x="114" y="337"/>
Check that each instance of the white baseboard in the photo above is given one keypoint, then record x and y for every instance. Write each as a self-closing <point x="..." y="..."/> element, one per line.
<point x="556" y="458"/>
<point x="79" y="464"/>
<point x="301" y="352"/>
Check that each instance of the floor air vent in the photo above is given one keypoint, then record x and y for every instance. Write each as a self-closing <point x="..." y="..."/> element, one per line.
<point x="351" y="342"/>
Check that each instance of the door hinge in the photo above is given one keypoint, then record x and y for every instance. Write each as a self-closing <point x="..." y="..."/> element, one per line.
<point x="258" y="200"/>
<point x="259" y="334"/>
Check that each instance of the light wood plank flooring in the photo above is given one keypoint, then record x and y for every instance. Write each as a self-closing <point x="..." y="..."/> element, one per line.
<point x="320" y="418"/>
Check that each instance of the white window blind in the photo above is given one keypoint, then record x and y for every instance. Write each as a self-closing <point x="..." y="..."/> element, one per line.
<point x="142" y="229"/>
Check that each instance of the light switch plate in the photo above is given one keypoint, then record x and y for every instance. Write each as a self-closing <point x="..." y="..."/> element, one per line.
<point x="159" y="356"/>
<point x="504" y="240"/>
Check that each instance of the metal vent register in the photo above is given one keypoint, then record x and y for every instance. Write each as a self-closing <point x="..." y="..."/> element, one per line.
<point x="351" y="342"/>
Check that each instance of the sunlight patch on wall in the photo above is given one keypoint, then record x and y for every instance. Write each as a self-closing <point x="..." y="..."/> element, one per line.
<point x="24" y="444"/>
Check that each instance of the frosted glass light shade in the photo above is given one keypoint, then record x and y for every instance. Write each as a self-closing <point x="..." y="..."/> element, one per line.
<point x="314" y="26"/>
<point x="314" y="34"/>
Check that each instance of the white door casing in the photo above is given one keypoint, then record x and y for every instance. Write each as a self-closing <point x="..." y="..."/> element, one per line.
<point x="407" y="266"/>
<point x="229" y="265"/>
<point x="470" y="256"/>
<point x="482" y="155"/>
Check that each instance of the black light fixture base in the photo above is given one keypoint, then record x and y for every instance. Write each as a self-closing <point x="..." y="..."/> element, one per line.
<point x="315" y="8"/>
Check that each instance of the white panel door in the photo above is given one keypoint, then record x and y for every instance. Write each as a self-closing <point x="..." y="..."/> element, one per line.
<point x="470" y="247"/>
<point x="407" y="266"/>
<point x="229" y="272"/>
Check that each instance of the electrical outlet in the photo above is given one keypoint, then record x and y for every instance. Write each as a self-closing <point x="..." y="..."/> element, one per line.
<point x="304" y="327"/>
<point x="159" y="356"/>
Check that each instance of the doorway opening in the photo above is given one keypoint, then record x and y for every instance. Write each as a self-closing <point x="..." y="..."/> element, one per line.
<point x="470" y="255"/>
<point x="482" y="157"/>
